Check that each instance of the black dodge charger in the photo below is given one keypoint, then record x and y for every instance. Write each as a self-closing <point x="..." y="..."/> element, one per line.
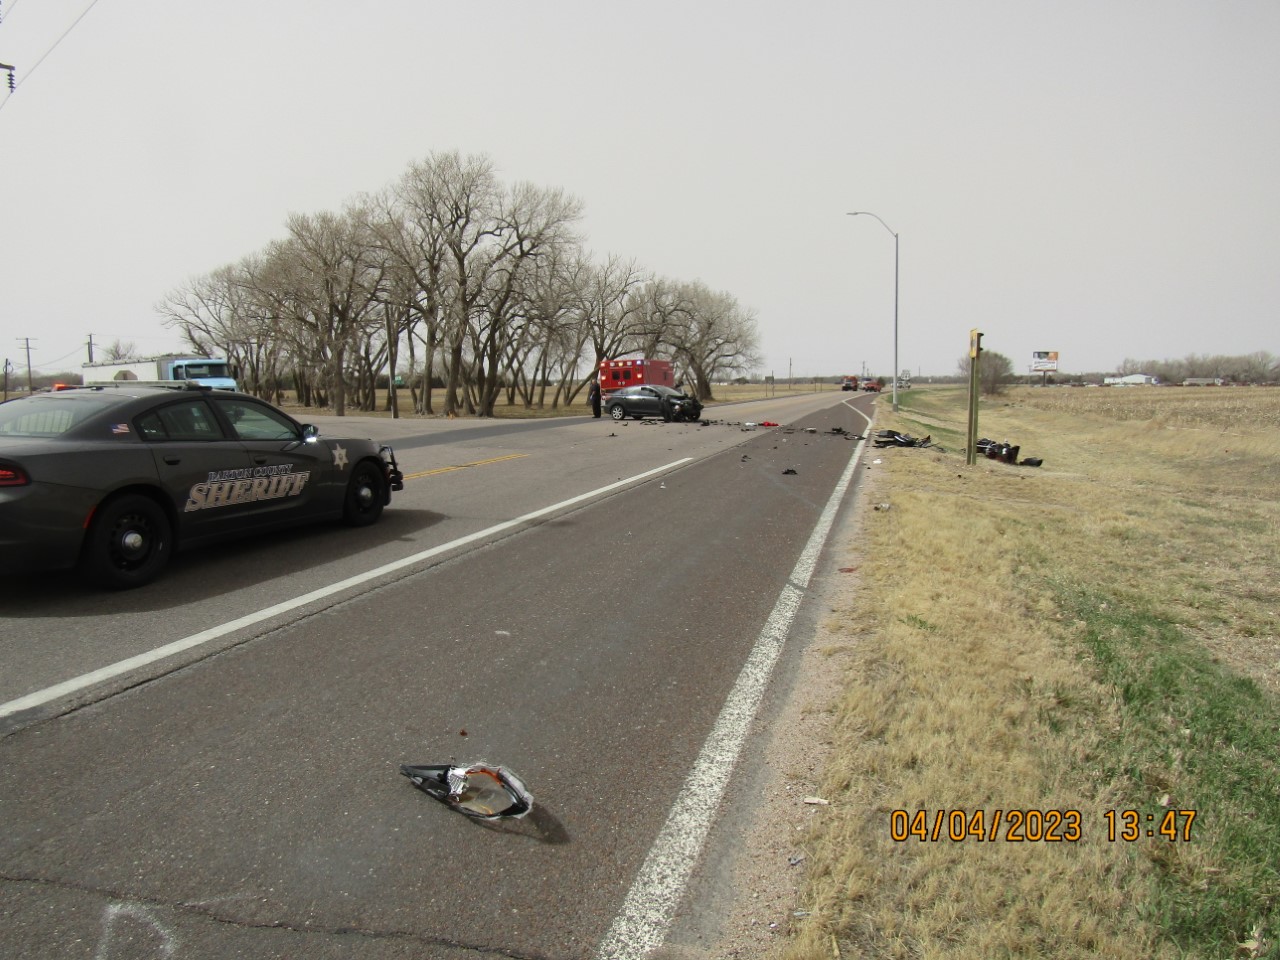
<point x="113" y="479"/>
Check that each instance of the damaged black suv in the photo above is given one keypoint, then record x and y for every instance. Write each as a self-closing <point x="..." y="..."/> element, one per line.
<point x="652" y="400"/>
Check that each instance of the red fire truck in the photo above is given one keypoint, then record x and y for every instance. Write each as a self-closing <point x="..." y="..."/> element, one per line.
<point x="615" y="374"/>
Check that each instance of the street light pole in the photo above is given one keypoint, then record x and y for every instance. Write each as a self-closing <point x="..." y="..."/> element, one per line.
<point x="867" y="213"/>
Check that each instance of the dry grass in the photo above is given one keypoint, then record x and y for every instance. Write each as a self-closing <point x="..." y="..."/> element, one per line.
<point x="1097" y="634"/>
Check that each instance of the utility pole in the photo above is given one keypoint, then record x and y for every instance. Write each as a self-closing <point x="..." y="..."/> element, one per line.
<point x="30" y="384"/>
<point x="8" y="369"/>
<point x="90" y="346"/>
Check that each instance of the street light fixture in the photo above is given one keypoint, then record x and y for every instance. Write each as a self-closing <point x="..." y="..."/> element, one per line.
<point x="867" y="213"/>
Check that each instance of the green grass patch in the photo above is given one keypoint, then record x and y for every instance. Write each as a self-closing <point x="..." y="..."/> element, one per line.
<point x="1197" y="736"/>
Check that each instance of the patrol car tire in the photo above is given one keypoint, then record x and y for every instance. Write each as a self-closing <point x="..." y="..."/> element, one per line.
<point x="618" y="412"/>
<point x="366" y="495"/>
<point x="129" y="543"/>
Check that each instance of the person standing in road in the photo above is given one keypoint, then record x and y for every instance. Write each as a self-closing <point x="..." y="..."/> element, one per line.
<point x="593" y="394"/>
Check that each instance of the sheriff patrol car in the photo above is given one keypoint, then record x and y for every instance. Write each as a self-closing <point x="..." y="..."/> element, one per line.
<point x="113" y="479"/>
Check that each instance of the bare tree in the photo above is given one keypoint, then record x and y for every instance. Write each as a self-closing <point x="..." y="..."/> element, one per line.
<point x="332" y="278"/>
<point x="120" y="350"/>
<point x="716" y="339"/>
<point x="534" y="223"/>
<point x="615" y="309"/>
<point x="995" y="371"/>
<point x="222" y="313"/>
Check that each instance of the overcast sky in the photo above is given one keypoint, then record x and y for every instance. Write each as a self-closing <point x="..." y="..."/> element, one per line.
<point x="1098" y="177"/>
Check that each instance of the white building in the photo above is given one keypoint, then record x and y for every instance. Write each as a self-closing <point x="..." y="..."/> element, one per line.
<point x="1132" y="380"/>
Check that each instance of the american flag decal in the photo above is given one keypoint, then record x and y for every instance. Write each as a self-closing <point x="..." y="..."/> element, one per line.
<point x="119" y="428"/>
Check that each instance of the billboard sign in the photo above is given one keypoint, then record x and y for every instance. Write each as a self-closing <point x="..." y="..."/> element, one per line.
<point x="1044" y="360"/>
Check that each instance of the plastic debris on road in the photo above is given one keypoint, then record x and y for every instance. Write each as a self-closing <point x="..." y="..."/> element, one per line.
<point x="478" y="790"/>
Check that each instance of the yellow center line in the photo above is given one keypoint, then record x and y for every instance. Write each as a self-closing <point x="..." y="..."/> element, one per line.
<point x="463" y="466"/>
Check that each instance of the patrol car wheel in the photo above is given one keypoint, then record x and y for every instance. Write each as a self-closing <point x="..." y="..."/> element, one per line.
<point x="366" y="495"/>
<point x="617" y="412"/>
<point x="129" y="543"/>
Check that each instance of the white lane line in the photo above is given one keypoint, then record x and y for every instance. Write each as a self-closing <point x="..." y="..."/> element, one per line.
<point x="641" y="925"/>
<point x="41" y="697"/>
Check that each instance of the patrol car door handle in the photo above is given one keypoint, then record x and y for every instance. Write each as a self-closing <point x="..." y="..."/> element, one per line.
<point x="173" y="461"/>
<point x="259" y="459"/>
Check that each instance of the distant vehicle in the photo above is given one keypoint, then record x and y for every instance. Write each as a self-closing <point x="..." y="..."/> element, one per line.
<point x="644" y="400"/>
<point x="115" y="478"/>
<point x="615" y="374"/>
<point x="849" y="383"/>
<point x="207" y="371"/>
<point x="871" y="386"/>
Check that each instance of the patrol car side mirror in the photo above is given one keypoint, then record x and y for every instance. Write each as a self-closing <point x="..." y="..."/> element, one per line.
<point x="310" y="431"/>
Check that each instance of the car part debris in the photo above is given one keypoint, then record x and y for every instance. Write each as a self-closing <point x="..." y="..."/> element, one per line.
<point x="478" y="790"/>
<point x="892" y="438"/>
<point x="789" y="471"/>
<point x="1005" y="452"/>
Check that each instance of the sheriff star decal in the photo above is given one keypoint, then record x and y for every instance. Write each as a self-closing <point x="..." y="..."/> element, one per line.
<point x="339" y="458"/>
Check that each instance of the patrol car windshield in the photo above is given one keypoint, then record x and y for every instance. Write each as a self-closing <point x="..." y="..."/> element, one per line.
<point x="43" y="416"/>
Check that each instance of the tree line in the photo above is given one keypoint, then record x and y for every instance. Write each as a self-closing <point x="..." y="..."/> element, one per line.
<point x="997" y="371"/>
<point x="472" y="289"/>
<point x="1252" y="368"/>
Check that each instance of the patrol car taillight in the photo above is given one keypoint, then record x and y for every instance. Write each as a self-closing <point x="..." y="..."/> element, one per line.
<point x="13" y="476"/>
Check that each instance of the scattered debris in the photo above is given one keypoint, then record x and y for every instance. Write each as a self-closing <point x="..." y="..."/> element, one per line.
<point x="817" y="802"/>
<point x="789" y="470"/>
<point x="1006" y="452"/>
<point x="892" y="438"/>
<point x="882" y="506"/>
<point x="478" y="789"/>
<point x="796" y="860"/>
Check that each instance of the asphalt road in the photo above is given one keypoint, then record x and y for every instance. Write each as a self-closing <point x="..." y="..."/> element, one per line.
<point x="574" y="599"/>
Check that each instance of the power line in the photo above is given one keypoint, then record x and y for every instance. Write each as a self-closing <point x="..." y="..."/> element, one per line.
<point x="12" y="85"/>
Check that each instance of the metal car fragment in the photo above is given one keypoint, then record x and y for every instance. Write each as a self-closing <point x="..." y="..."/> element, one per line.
<point x="892" y="438"/>
<point x="1005" y="452"/>
<point x="478" y="790"/>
